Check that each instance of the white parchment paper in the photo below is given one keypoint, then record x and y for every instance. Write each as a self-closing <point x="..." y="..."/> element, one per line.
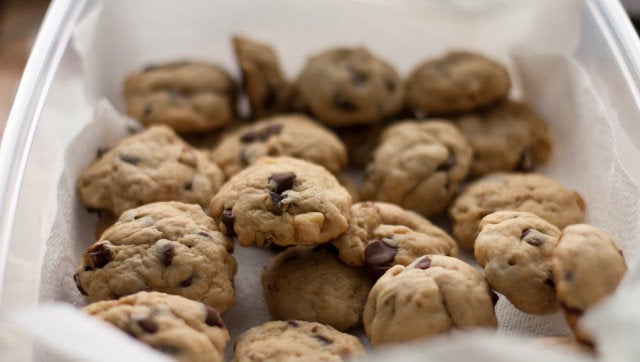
<point x="534" y="38"/>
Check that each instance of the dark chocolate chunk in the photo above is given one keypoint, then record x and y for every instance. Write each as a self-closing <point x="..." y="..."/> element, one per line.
<point x="531" y="236"/>
<point x="276" y="199"/>
<point x="292" y="323"/>
<point x="425" y="263"/>
<point x="129" y="159"/>
<point x="323" y="340"/>
<point x="494" y="297"/>
<point x="549" y="282"/>
<point x="187" y="282"/>
<point x="168" y="251"/>
<point x="213" y="317"/>
<point x="270" y="130"/>
<point x="148" y="324"/>
<point x="97" y="256"/>
<point x="357" y="77"/>
<point x="188" y="186"/>
<point x="76" y="278"/>
<point x="378" y="253"/>
<point x="228" y="220"/>
<point x="283" y="180"/>
<point x="341" y="102"/>
<point x="249" y="136"/>
<point x="448" y="163"/>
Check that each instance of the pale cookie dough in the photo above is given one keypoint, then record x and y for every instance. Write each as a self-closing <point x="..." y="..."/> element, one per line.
<point x="312" y="284"/>
<point x="587" y="267"/>
<point x="529" y="192"/>
<point x="154" y="165"/>
<point x="381" y="235"/>
<point x="349" y="86"/>
<point x="264" y="83"/>
<point x="457" y="82"/>
<point x="284" y="201"/>
<point x="418" y="165"/>
<point x="178" y="327"/>
<point x="515" y="249"/>
<point x="169" y="247"/>
<point x="506" y="137"/>
<point x="296" y="341"/>
<point x="186" y="96"/>
<point x="432" y="295"/>
<point x="293" y="135"/>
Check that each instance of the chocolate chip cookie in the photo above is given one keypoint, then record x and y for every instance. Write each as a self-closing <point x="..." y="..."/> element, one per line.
<point x="515" y="249"/>
<point x="154" y="165"/>
<point x="528" y="192"/>
<point x="432" y="295"/>
<point x="293" y="135"/>
<point x="348" y="86"/>
<point x="262" y="79"/>
<point x="189" y="97"/>
<point x="587" y="267"/>
<point x="294" y="340"/>
<point x="381" y="235"/>
<point x="284" y="201"/>
<point x="418" y="165"/>
<point x="181" y="328"/>
<point x="458" y="82"/>
<point x="169" y="247"/>
<point x="312" y="284"/>
<point x="506" y="137"/>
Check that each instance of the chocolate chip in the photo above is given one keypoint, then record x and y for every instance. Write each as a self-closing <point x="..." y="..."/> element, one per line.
<point x="249" y="136"/>
<point x="283" y="180"/>
<point x="213" y="317"/>
<point x="549" y="282"/>
<point x="148" y="324"/>
<point x="448" y="163"/>
<point x="532" y="237"/>
<point x="129" y="159"/>
<point x="203" y="234"/>
<point x="76" y="278"/>
<point x="378" y="253"/>
<point x="228" y="220"/>
<point x="187" y="282"/>
<point x="292" y="323"/>
<point x="390" y="85"/>
<point x="357" y="77"/>
<point x="188" y="186"/>
<point x="341" y="102"/>
<point x="494" y="297"/>
<point x="270" y="130"/>
<point x="97" y="256"/>
<point x="425" y="263"/>
<point x="168" y="252"/>
<point x="323" y="340"/>
<point x="276" y="199"/>
<point x="526" y="162"/>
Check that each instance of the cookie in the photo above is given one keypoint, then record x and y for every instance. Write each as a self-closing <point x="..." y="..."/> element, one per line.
<point x="293" y="135"/>
<point x="154" y="165"/>
<point x="183" y="329"/>
<point x="381" y="235"/>
<point x="349" y="86"/>
<point x="418" y="165"/>
<point x="587" y="267"/>
<point x="168" y="247"/>
<point x="458" y="82"/>
<point x="284" y="201"/>
<point x="515" y="249"/>
<point x="312" y="284"/>
<point x="266" y="87"/>
<point x="528" y="192"/>
<point x="432" y="295"/>
<point x="296" y="341"/>
<point x="189" y="97"/>
<point x="506" y="137"/>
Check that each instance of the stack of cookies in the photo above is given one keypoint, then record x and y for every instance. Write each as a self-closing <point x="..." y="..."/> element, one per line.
<point x="337" y="172"/>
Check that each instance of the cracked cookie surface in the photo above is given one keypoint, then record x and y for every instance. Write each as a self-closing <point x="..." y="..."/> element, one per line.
<point x="154" y="165"/>
<point x="430" y="296"/>
<point x="515" y="249"/>
<point x="169" y="247"/>
<point x="293" y="135"/>
<point x="312" y="284"/>
<point x="284" y="201"/>
<point x="294" y="340"/>
<point x="418" y="165"/>
<point x="186" y="96"/>
<point x="181" y="328"/>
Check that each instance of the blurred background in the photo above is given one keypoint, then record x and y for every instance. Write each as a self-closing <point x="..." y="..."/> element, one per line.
<point x="19" y="23"/>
